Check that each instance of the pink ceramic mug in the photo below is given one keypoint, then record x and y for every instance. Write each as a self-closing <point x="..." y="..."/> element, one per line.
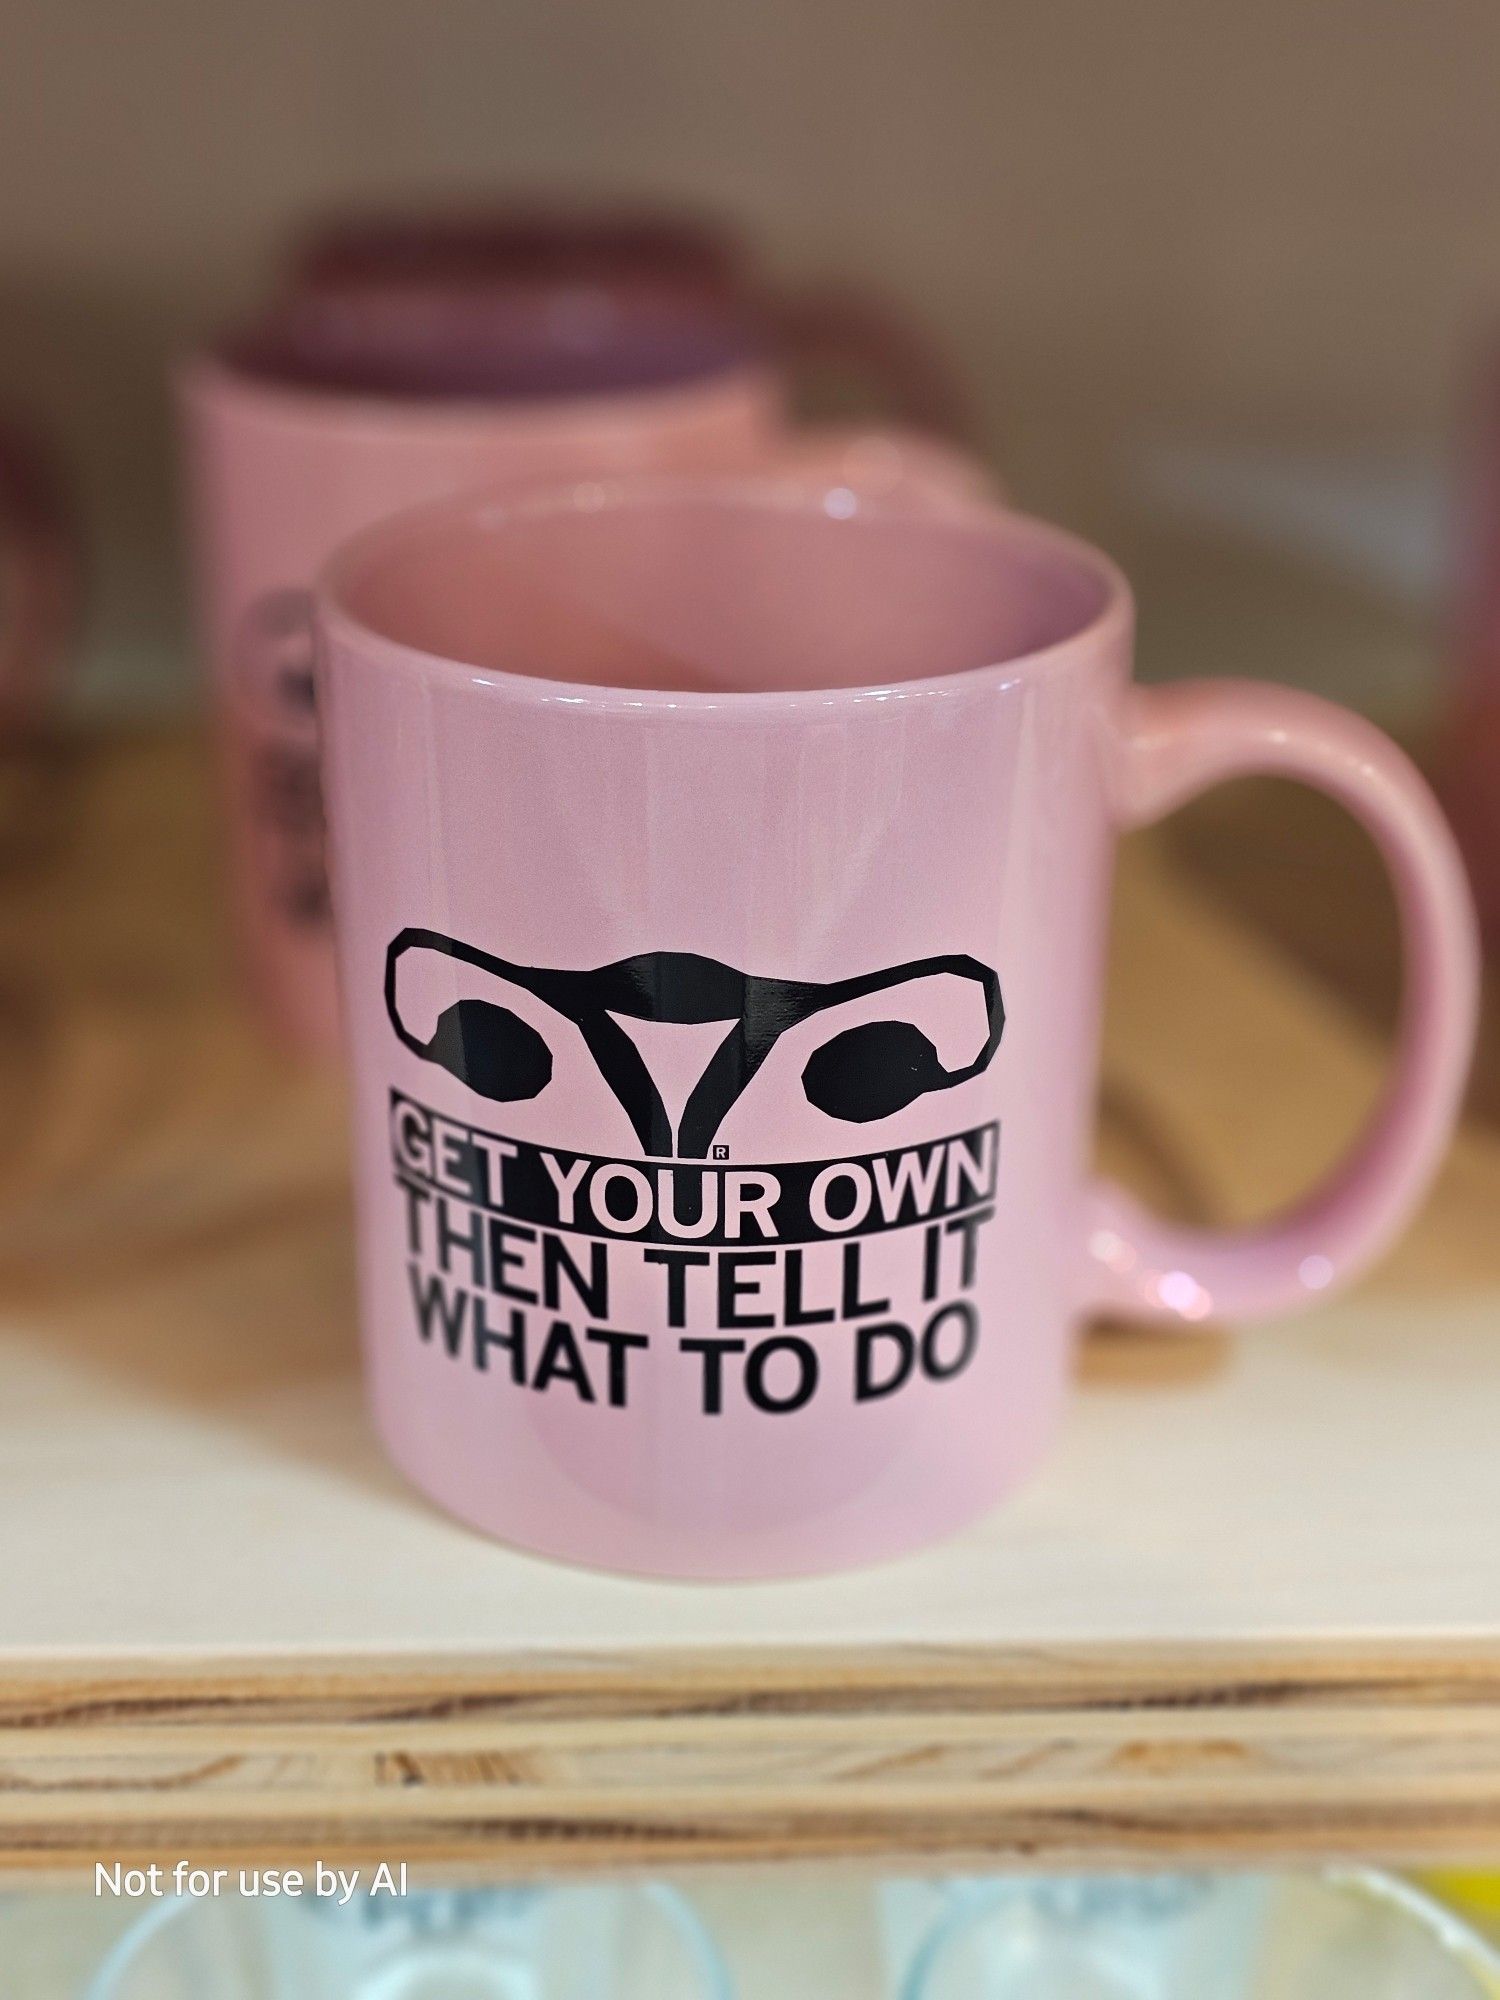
<point x="287" y="459"/>
<point x="722" y="870"/>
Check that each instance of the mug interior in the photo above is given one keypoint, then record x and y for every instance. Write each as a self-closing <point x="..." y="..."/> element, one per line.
<point x="512" y="343"/>
<point x="373" y="252"/>
<point x="725" y="589"/>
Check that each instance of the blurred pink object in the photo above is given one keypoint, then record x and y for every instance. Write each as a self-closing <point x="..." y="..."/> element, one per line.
<point x="39" y="576"/>
<point x="293" y="446"/>
<point x="469" y="277"/>
<point x="722" y="872"/>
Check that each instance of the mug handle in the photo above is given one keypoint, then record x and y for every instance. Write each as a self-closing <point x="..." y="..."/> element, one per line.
<point x="845" y="328"/>
<point x="1178" y="741"/>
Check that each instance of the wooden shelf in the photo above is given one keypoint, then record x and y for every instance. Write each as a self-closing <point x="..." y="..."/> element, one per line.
<point x="1252" y="1608"/>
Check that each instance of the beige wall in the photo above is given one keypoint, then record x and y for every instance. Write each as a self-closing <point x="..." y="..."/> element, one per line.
<point x="1274" y="214"/>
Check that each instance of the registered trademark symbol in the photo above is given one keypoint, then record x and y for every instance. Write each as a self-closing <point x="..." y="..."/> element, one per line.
<point x="721" y="1152"/>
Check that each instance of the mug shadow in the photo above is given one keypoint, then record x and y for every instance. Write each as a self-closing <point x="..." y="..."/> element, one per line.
<point x="1125" y="1355"/>
<point x="238" y="1313"/>
<point x="174" y="1211"/>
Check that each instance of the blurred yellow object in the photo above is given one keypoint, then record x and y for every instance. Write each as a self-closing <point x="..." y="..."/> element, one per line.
<point x="1475" y="1891"/>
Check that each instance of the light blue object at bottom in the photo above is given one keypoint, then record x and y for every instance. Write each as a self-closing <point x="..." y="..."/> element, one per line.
<point x="576" y="1942"/>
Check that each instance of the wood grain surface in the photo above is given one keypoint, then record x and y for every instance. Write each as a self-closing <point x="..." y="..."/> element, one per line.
<point x="1254" y="1608"/>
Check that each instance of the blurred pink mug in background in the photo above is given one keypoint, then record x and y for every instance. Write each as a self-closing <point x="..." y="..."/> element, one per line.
<point x="722" y="870"/>
<point x="294" y="442"/>
<point x="466" y="279"/>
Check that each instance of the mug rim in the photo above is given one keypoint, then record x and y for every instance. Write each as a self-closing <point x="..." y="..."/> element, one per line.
<point x="492" y="508"/>
<point x="209" y="375"/>
<point x="479" y="234"/>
